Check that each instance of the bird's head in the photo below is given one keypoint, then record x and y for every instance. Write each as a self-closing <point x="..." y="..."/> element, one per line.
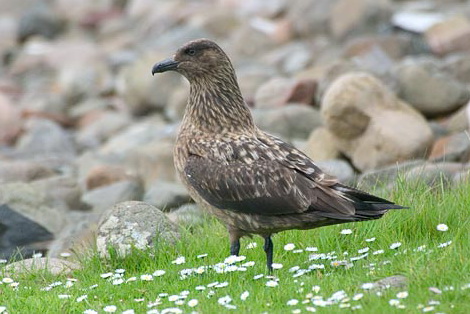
<point x="196" y="59"/>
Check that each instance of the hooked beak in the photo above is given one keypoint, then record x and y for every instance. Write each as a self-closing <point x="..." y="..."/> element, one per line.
<point x="165" y="65"/>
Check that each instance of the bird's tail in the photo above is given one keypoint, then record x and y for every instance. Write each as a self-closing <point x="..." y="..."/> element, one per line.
<point x="367" y="206"/>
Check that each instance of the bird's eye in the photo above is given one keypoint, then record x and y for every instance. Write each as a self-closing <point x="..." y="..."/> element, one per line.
<point x="190" y="52"/>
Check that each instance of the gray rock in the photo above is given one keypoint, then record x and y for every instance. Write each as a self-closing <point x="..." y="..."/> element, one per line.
<point x="53" y="266"/>
<point x="46" y="140"/>
<point x="362" y="115"/>
<point x="188" y="216"/>
<point x="174" y="111"/>
<point x="144" y="93"/>
<point x="434" y="174"/>
<point x="33" y="203"/>
<point x="105" y="126"/>
<point x="78" y="237"/>
<point x="131" y="225"/>
<point x="455" y="147"/>
<point x="353" y="16"/>
<point x="458" y="66"/>
<point x="166" y="195"/>
<point x="137" y="135"/>
<point x="289" y="122"/>
<point x="459" y="120"/>
<point x="77" y="82"/>
<point x="338" y="168"/>
<point x="280" y="91"/>
<point x="62" y="191"/>
<point x="40" y="19"/>
<point x="386" y="175"/>
<point x="21" y="237"/>
<point x="428" y="89"/>
<point x="23" y="171"/>
<point x="395" y="282"/>
<point x="251" y="76"/>
<point x="104" y="197"/>
<point x="318" y="13"/>
<point x="153" y="161"/>
<point x="462" y="177"/>
<point x="10" y="120"/>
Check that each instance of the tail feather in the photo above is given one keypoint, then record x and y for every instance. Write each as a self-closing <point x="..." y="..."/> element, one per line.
<point x="367" y="206"/>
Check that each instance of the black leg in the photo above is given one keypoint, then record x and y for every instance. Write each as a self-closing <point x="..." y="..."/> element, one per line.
<point x="268" y="248"/>
<point x="235" y="247"/>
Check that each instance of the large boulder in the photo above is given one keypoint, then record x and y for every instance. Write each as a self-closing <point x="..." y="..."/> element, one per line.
<point x="428" y="89"/>
<point x="370" y="125"/>
<point x="133" y="225"/>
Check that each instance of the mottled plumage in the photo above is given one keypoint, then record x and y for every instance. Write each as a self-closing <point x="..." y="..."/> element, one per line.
<point x="252" y="181"/>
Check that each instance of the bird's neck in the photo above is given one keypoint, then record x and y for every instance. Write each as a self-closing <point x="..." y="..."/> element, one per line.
<point x="216" y="106"/>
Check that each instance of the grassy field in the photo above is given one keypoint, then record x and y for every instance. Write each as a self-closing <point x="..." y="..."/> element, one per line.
<point x="161" y="281"/>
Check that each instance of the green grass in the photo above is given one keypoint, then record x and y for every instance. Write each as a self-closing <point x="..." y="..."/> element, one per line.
<point x="446" y="268"/>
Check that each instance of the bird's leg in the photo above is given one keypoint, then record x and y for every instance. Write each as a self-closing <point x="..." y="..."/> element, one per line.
<point x="268" y="248"/>
<point x="235" y="247"/>
<point x="234" y="242"/>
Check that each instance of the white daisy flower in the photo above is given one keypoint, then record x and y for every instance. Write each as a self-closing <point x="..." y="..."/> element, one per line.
<point x="289" y="246"/>
<point x="367" y="286"/>
<point x="159" y="273"/>
<point x="402" y="294"/>
<point x="244" y="295"/>
<point x="180" y="260"/>
<point x="276" y="265"/>
<point x="293" y="302"/>
<point x="110" y="308"/>
<point x="193" y="302"/>
<point x="272" y="283"/>
<point x="81" y="298"/>
<point x="146" y="277"/>
<point x="106" y="275"/>
<point x="346" y="231"/>
<point x="224" y="300"/>
<point x="395" y="245"/>
<point x="251" y="245"/>
<point x="442" y="227"/>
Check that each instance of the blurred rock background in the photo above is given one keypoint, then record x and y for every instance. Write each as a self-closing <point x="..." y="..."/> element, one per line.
<point x="364" y="87"/>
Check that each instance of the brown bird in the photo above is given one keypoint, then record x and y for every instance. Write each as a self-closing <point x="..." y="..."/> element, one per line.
<point x="253" y="182"/>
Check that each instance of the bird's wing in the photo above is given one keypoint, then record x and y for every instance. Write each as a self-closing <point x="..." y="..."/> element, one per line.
<point x="264" y="187"/>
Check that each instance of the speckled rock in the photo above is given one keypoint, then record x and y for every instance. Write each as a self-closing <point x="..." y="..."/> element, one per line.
<point x="131" y="225"/>
<point x="53" y="266"/>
